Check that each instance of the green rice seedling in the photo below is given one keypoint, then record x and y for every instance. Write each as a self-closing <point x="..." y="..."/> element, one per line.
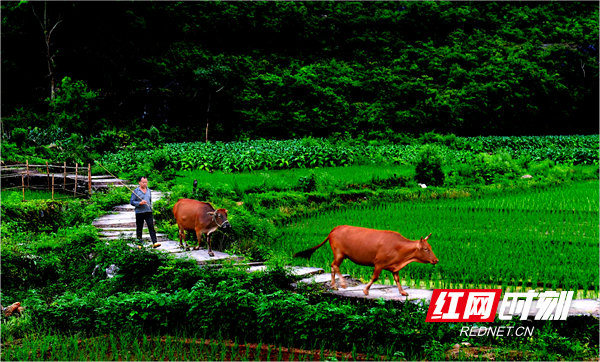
<point x="214" y="346"/>
<point x="354" y="353"/>
<point x="124" y="347"/>
<point x="257" y="352"/>
<point x="46" y="347"/>
<point x="246" y="355"/>
<point x="268" y="352"/>
<point x="292" y="351"/>
<point x="69" y="350"/>
<point x="235" y="349"/>
<point x="193" y="354"/>
<point x="55" y="344"/>
<point x="170" y="348"/>
<point x="223" y="350"/>
<point x="113" y="348"/>
<point x="163" y="347"/>
<point x="321" y="353"/>
<point x="146" y="346"/>
<point x="96" y="350"/>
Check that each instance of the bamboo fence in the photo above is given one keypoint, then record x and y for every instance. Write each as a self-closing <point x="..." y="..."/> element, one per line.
<point x="64" y="172"/>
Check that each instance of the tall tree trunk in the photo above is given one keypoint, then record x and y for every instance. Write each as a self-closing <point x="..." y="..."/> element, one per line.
<point x="49" y="56"/>
<point x="207" y="114"/>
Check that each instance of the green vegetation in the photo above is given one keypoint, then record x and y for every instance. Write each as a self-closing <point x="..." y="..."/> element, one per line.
<point x="17" y="195"/>
<point x="296" y="117"/>
<point x="47" y="264"/>
<point x="291" y="70"/>
<point x="310" y="153"/>
<point x="231" y="305"/>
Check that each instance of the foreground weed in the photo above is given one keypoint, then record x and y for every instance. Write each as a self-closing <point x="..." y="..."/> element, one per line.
<point x="224" y="351"/>
<point x="214" y="346"/>
<point x="246" y="356"/>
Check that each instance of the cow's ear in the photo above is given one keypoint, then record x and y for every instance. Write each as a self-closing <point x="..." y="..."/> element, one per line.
<point x="427" y="237"/>
<point x="420" y="244"/>
<point x="226" y="211"/>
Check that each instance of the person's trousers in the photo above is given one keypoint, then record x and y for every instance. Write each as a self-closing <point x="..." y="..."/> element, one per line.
<point x="139" y="223"/>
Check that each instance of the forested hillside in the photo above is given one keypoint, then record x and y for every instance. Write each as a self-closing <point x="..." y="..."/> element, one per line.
<point x="280" y="70"/>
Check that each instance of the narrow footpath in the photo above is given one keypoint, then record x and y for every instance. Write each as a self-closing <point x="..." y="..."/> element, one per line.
<point x="121" y="223"/>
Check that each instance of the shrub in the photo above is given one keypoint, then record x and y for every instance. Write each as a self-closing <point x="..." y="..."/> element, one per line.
<point x="540" y="168"/>
<point x="19" y="135"/>
<point x="308" y="183"/>
<point x="486" y="169"/>
<point x="160" y="160"/>
<point x="429" y="166"/>
<point x="107" y="141"/>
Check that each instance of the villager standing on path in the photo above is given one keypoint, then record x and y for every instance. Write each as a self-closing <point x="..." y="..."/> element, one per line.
<point x="141" y="198"/>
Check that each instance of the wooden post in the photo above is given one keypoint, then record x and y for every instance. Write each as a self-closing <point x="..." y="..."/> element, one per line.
<point x="75" y="188"/>
<point x="52" y="186"/>
<point x="65" y="176"/>
<point x="48" y="173"/>
<point x="27" y="164"/>
<point x="23" y="185"/>
<point x="89" y="180"/>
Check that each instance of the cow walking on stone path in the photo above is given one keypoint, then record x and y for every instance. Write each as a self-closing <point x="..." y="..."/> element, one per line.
<point x="201" y="217"/>
<point x="379" y="248"/>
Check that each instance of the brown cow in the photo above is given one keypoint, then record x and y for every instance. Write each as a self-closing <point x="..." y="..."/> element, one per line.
<point x="193" y="215"/>
<point x="382" y="249"/>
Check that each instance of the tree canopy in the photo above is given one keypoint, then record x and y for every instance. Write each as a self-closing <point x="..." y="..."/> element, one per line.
<point x="291" y="69"/>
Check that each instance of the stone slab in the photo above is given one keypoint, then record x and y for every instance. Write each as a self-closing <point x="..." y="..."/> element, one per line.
<point x="114" y="223"/>
<point x="124" y="208"/>
<point x="579" y="307"/>
<point x="127" y="234"/>
<point x="256" y="268"/>
<point x="202" y="256"/>
<point x="302" y="271"/>
<point x="321" y="278"/>
<point x="163" y="247"/>
<point x="109" y="228"/>
<point x="299" y="271"/>
<point x="119" y="216"/>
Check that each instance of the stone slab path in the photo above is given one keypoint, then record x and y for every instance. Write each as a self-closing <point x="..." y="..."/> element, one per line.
<point x="585" y="307"/>
<point x="121" y="223"/>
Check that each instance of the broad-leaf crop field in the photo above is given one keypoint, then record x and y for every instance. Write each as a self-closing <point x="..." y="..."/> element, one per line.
<point x="310" y="153"/>
<point x="544" y="239"/>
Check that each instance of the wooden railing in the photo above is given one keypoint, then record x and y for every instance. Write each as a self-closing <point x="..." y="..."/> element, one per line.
<point x="65" y="173"/>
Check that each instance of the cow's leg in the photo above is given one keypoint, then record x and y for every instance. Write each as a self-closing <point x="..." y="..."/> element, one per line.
<point x="181" y="237"/>
<point x="335" y="268"/>
<point x="185" y="243"/>
<point x="199" y="236"/>
<point x="397" y="280"/>
<point x="210" y="252"/>
<point x="373" y="279"/>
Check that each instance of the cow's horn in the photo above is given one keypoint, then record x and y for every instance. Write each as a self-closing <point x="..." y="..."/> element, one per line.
<point x="427" y="237"/>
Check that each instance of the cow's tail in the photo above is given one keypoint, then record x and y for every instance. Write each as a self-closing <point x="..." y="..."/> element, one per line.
<point x="307" y="253"/>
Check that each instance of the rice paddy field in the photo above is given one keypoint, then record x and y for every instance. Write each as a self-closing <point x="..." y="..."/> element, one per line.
<point x="539" y="239"/>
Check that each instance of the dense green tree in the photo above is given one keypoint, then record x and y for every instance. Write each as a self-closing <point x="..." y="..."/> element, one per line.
<point x="292" y="69"/>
